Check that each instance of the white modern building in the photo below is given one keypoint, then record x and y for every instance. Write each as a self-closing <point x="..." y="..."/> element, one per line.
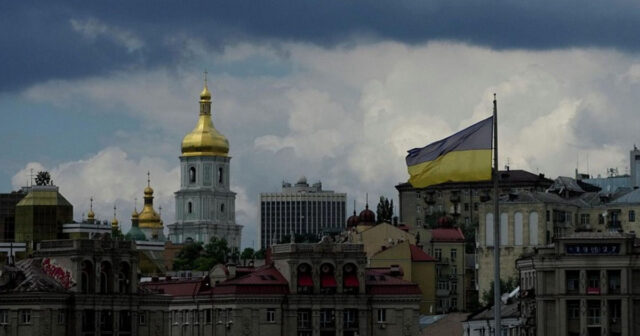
<point x="300" y="209"/>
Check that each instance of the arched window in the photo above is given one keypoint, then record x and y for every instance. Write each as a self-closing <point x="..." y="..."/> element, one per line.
<point x="517" y="229"/>
<point x="87" y="279"/>
<point x="222" y="207"/>
<point x="533" y="228"/>
<point x="123" y="278"/>
<point x="350" y="283"/>
<point x="106" y="278"/>
<point x="328" y="282"/>
<point x="305" y="280"/>
<point x="192" y="175"/>
<point x="189" y="207"/>
<point x="488" y="231"/>
<point x="504" y="229"/>
<point x="220" y="177"/>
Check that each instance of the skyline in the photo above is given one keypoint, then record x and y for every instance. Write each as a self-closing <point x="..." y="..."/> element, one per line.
<point x="100" y="94"/>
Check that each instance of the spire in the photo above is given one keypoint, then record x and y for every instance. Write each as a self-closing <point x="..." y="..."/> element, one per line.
<point x="354" y="207"/>
<point x="114" y="222"/>
<point x="367" y="198"/>
<point x="91" y="215"/>
<point x="205" y="95"/>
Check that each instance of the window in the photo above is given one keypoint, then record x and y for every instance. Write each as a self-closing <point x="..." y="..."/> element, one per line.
<point x="207" y="316"/>
<point x="174" y="319"/>
<point x="304" y="321"/>
<point x="548" y="215"/>
<point x="382" y="315"/>
<point x="350" y="318"/>
<point x="573" y="310"/>
<point x="327" y="318"/>
<point x="443" y="285"/>
<point x="454" y="270"/>
<point x="593" y="312"/>
<point x="585" y="219"/>
<point x="475" y="206"/>
<point x="192" y="175"/>
<point x="614" y="311"/>
<point x="632" y="216"/>
<point x="220" y="176"/>
<point x="454" y="286"/>
<point x="61" y="316"/>
<point x="271" y="314"/>
<point x="25" y="316"/>
<point x="438" y="253"/>
<point x="454" y="303"/>
<point x="142" y="318"/>
<point x="4" y="316"/>
<point x="517" y="229"/>
<point x="190" y="207"/>
<point x="533" y="228"/>
<point x="488" y="232"/>
<point x="221" y="207"/>
<point x="454" y="254"/>
<point x="593" y="282"/>
<point x="504" y="229"/>
<point x="466" y="207"/>
<point x="600" y="219"/>
<point x="573" y="281"/>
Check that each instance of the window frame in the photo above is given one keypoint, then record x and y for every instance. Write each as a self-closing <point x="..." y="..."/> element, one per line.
<point x="4" y="316"/>
<point x="382" y="315"/>
<point x="25" y="316"/>
<point x="142" y="318"/>
<point x="271" y="315"/>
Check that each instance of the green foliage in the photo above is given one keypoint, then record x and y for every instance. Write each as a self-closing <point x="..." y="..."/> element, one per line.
<point x="260" y="254"/>
<point x="194" y="256"/>
<point x="505" y="287"/>
<point x="469" y="231"/>
<point x="43" y="178"/>
<point x="247" y="254"/>
<point x="384" y="212"/>
<point x="186" y="258"/>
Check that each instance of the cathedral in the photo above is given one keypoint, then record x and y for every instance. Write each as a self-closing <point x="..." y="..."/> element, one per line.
<point x="205" y="205"/>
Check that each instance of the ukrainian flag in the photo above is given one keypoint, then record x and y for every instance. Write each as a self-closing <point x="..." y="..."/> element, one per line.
<point x="464" y="156"/>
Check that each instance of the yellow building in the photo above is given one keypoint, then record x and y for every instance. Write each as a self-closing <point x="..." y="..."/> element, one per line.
<point x="374" y="238"/>
<point x="418" y="267"/>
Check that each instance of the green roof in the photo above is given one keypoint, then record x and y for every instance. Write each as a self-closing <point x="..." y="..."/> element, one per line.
<point x="44" y="195"/>
<point x="135" y="234"/>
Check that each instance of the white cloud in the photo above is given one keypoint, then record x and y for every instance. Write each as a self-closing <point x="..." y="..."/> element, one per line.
<point x="111" y="178"/>
<point x="92" y="28"/>
<point x="348" y="115"/>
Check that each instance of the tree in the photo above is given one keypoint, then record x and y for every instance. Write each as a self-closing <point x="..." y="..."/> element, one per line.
<point x="186" y="258"/>
<point x="247" y="254"/>
<point x="385" y="210"/>
<point x="43" y="178"/>
<point x="505" y="287"/>
<point x="260" y="254"/>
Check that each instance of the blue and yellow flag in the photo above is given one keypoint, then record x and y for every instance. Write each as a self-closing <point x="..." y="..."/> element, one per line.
<point x="462" y="157"/>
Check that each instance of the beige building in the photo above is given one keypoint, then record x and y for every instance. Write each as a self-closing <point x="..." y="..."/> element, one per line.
<point x="375" y="237"/>
<point x="446" y="245"/>
<point x="423" y="206"/>
<point x="416" y="266"/>
<point x="527" y="220"/>
<point x="588" y="283"/>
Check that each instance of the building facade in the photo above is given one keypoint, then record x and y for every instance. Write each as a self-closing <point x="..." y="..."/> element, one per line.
<point x="300" y="209"/>
<point x="8" y="204"/>
<point x="205" y="204"/>
<point x="587" y="283"/>
<point x="423" y="206"/>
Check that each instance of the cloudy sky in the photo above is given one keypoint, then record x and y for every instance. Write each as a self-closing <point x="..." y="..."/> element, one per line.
<point x="100" y="92"/>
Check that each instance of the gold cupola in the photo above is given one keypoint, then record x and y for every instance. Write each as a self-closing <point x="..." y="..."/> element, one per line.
<point x="205" y="140"/>
<point x="148" y="217"/>
<point x="114" y="221"/>
<point x="91" y="215"/>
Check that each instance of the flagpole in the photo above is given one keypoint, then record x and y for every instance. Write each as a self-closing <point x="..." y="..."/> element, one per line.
<point x="497" y="303"/>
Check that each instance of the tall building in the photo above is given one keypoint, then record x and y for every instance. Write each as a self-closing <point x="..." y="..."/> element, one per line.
<point x="40" y="215"/>
<point x="300" y="209"/>
<point x="205" y="205"/>
<point x="587" y="283"/>
<point x="423" y="206"/>
<point x="8" y="204"/>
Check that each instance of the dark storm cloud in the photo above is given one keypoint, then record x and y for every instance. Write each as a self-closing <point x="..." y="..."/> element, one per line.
<point x="39" y="43"/>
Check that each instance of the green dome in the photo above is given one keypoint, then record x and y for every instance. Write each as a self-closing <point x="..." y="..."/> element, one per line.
<point x="135" y="234"/>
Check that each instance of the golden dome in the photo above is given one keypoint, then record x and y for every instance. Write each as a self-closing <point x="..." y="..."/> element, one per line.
<point x="148" y="217"/>
<point x="205" y="138"/>
<point x="91" y="214"/>
<point x="148" y="191"/>
<point x="134" y="214"/>
<point x="114" y="223"/>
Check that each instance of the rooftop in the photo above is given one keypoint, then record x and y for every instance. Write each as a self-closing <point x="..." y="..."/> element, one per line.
<point x="447" y="235"/>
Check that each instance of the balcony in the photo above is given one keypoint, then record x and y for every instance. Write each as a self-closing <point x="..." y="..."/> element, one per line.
<point x="593" y="290"/>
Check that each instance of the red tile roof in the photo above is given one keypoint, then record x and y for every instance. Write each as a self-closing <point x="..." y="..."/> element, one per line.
<point x="178" y="287"/>
<point x="264" y="280"/>
<point x="417" y="254"/>
<point x="378" y="282"/>
<point x="447" y="235"/>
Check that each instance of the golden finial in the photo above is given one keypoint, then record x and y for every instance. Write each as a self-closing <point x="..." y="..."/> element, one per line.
<point x="205" y="95"/>
<point x="148" y="191"/>
<point x="114" y="222"/>
<point x="148" y="178"/>
<point x="91" y="215"/>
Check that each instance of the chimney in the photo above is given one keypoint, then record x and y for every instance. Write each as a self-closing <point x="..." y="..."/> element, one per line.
<point x="231" y="267"/>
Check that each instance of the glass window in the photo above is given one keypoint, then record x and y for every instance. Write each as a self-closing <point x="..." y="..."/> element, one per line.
<point x="207" y="316"/>
<point x="454" y="254"/>
<point x="350" y="318"/>
<point x="327" y="318"/>
<point x="488" y="232"/>
<point x="593" y="312"/>
<point x="438" y="253"/>
<point x="61" y="316"/>
<point x="573" y="310"/>
<point x="4" y="316"/>
<point x="632" y="216"/>
<point x="142" y="318"/>
<point x="192" y="175"/>
<point x="382" y="315"/>
<point x="304" y="319"/>
<point x="271" y="314"/>
<point x="25" y="316"/>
